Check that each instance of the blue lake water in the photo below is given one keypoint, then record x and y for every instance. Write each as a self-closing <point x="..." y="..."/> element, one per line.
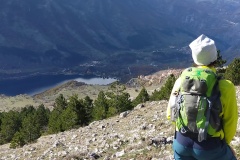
<point x="40" y="83"/>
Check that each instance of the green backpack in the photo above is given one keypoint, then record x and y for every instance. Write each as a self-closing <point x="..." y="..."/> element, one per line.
<point x="198" y="105"/>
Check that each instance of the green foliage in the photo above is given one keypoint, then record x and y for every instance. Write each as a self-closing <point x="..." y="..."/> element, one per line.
<point x="55" y="120"/>
<point x="69" y="115"/>
<point x="24" y="126"/>
<point x="11" y="123"/>
<point x="26" y="111"/>
<point x="17" y="140"/>
<point x="60" y="103"/>
<point x="30" y="128"/>
<point x="112" y="102"/>
<point x="42" y="116"/>
<point x="116" y="88"/>
<point x="165" y="91"/>
<point x="120" y="102"/>
<point x="118" y="99"/>
<point x="88" y="104"/>
<point x="220" y="62"/>
<point x="101" y="106"/>
<point x="232" y="71"/>
<point x="69" y="119"/>
<point x="1" y="115"/>
<point x="142" y="97"/>
<point x="77" y="106"/>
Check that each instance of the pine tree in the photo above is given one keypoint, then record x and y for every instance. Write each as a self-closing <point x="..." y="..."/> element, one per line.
<point x="42" y="117"/>
<point x="220" y="61"/>
<point x="55" y="121"/>
<point x="118" y="103"/>
<point x="69" y="118"/>
<point x="123" y="102"/>
<point x="30" y="128"/>
<point x="11" y="123"/>
<point x="1" y="116"/>
<point x="101" y="107"/>
<point x="78" y="106"/>
<point x="88" y="104"/>
<point x="60" y="103"/>
<point x="232" y="71"/>
<point x="17" y="140"/>
<point x="27" y="110"/>
<point x="142" y="97"/>
<point x="165" y="91"/>
<point x="118" y="99"/>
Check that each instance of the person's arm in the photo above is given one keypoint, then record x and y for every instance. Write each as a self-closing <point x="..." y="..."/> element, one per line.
<point x="175" y="89"/>
<point x="230" y="109"/>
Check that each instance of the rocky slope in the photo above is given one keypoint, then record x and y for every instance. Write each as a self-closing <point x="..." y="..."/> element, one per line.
<point x="140" y="134"/>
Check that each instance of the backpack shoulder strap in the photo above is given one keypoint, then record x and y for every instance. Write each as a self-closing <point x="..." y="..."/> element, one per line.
<point x="215" y="97"/>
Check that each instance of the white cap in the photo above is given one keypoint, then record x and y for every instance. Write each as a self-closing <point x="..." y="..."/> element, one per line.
<point x="204" y="50"/>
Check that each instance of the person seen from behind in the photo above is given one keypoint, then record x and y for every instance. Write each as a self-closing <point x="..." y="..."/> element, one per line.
<point x="203" y="108"/>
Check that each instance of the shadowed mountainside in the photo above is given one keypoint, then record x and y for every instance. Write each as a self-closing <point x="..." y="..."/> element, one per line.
<point x="108" y="37"/>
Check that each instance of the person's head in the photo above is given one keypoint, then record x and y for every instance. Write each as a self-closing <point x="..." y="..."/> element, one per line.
<point x="204" y="52"/>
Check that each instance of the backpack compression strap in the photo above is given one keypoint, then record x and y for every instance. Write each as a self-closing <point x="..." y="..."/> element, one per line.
<point x="203" y="132"/>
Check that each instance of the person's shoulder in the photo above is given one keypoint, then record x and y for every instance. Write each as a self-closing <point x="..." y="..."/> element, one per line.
<point x="225" y="84"/>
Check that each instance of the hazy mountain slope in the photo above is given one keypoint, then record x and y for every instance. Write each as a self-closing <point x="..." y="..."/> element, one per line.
<point x="49" y="35"/>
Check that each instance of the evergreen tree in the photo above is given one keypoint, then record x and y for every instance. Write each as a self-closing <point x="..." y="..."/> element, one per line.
<point x="116" y="88"/>
<point x="42" y="116"/>
<point x="165" y="91"/>
<point x="123" y="102"/>
<point x="220" y="61"/>
<point x="101" y="107"/>
<point x="82" y="113"/>
<point x="142" y="97"/>
<point x="118" y="99"/>
<point x="60" y="102"/>
<point x="1" y="115"/>
<point x="55" y="121"/>
<point x="88" y="104"/>
<point x="27" y="110"/>
<point x="232" y="71"/>
<point x="69" y="118"/>
<point x="30" y="128"/>
<point x="11" y="123"/>
<point x="17" y="140"/>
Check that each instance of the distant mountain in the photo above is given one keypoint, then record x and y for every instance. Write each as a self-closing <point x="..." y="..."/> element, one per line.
<point x="110" y="37"/>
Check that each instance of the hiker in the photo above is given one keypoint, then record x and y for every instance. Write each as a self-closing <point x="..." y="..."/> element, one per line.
<point x="203" y="108"/>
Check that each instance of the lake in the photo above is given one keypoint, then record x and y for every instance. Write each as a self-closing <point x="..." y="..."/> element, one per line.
<point x="37" y="84"/>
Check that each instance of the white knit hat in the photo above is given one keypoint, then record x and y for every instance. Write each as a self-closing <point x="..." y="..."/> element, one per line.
<point x="203" y="50"/>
